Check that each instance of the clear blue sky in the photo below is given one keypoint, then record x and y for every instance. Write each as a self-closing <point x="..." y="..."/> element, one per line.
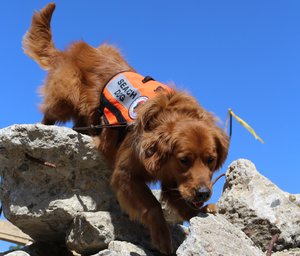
<point x="239" y="54"/>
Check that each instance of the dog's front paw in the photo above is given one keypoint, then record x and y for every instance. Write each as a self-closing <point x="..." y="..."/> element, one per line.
<point x="209" y="208"/>
<point x="161" y="239"/>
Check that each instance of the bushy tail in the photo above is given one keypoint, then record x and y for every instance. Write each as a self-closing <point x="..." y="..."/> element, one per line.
<point x="37" y="42"/>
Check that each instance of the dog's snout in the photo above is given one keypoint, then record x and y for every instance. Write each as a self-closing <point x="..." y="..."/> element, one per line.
<point x="203" y="194"/>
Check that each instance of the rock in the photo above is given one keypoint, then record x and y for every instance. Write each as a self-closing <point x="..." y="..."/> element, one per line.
<point x="94" y="231"/>
<point x="106" y="252"/>
<point x="258" y="207"/>
<point x="40" y="200"/>
<point x="41" y="249"/>
<point x="120" y="248"/>
<point x="16" y="253"/>
<point x="44" y="201"/>
<point x="90" y="232"/>
<point x="213" y="235"/>
<point x="295" y="199"/>
<point x="291" y="252"/>
<point x="171" y="216"/>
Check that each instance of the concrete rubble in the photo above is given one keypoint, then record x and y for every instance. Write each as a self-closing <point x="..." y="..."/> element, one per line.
<point x="55" y="187"/>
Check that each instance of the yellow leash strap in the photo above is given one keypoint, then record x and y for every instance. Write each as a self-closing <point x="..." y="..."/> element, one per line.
<point x="242" y="122"/>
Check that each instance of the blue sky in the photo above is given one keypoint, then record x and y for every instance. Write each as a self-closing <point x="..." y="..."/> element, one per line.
<point x="239" y="54"/>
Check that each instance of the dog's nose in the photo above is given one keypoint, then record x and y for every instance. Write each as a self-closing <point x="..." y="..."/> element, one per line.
<point x="203" y="194"/>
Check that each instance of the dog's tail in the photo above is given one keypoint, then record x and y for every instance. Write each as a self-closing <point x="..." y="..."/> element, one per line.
<point x="37" y="42"/>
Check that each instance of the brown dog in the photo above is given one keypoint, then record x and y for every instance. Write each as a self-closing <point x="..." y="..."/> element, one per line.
<point x="173" y="139"/>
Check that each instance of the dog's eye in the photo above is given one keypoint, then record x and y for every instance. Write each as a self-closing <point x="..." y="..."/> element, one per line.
<point x="211" y="159"/>
<point x="150" y="151"/>
<point x="185" y="161"/>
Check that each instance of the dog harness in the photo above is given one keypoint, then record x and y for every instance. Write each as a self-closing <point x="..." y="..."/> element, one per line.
<point x="123" y="94"/>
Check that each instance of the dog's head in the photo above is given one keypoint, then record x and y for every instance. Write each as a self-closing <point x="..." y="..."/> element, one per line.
<point x="180" y="144"/>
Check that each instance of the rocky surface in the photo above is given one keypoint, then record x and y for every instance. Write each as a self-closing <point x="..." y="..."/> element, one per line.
<point x="290" y="252"/>
<point x="41" y="249"/>
<point x="55" y="187"/>
<point x="295" y="199"/>
<point x="42" y="201"/>
<point x="121" y="248"/>
<point x="213" y="235"/>
<point x="258" y="207"/>
<point x="94" y="231"/>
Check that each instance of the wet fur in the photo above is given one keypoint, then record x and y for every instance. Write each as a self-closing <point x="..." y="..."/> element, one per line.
<point x="173" y="139"/>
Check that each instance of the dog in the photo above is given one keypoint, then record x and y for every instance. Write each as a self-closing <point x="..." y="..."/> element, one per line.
<point x="172" y="139"/>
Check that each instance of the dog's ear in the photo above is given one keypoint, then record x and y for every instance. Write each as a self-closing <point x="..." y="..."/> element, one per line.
<point x="155" y="151"/>
<point x="152" y="158"/>
<point x="152" y="143"/>
<point x="222" y="144"/>
<point x="147" y="113"/>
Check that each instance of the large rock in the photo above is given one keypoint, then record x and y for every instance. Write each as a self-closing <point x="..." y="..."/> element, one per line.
<point x="94" y="231"/>
<point x="90" y="232"/>
<point x="42" y="201"/>
<point x="121" y="248"/>
<point x="290" y="252"/>
<point x="258" y="207"/>
<point x="40" y="249"/>
<point x="213" y="235"/>
<point x="54" y="178"/>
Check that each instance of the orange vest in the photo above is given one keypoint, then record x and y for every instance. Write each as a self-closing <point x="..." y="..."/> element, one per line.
<point x="124" y="93"/>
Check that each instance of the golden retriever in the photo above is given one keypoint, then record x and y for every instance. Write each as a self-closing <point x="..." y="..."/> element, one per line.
<point x="173" y="139"/>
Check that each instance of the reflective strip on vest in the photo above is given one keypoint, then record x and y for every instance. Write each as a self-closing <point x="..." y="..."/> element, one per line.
<point x="124" y="93"/>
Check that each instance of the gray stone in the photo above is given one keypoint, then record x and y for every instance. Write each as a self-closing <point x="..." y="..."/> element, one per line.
<point x="90" y="232"/>
<point x="212" y="235"/>
<point x="40" y="200"/>
<point x="94" y="231"/>
<point x="290" y="252"/>
<point x="127" y="249"/>
<point x="106" y="252"/>
<point x="43" y="201"/>
<point x="258" y="207"/>
<point x="294" y="198"/>
<point x="121" y="248"/>
<point x="171" y="216"/>
<point x="41" y="249"/>
<point x="16" y="253"/>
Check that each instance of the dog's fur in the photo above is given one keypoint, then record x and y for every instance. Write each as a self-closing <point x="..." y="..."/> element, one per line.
<point x="173" y="139"/>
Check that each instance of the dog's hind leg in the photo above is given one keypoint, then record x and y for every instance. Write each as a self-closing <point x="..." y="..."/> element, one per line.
<point x="48" y="121"/>
<point x="56" y="111"/>
<point x="61" y="93"/>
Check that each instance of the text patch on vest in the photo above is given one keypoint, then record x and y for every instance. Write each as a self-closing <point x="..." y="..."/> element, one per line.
<point x="123" y="91"/>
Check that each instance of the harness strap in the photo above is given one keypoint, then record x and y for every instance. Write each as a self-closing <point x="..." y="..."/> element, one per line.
<point x="95" y="128"/>
<point x="113" y="109"/>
